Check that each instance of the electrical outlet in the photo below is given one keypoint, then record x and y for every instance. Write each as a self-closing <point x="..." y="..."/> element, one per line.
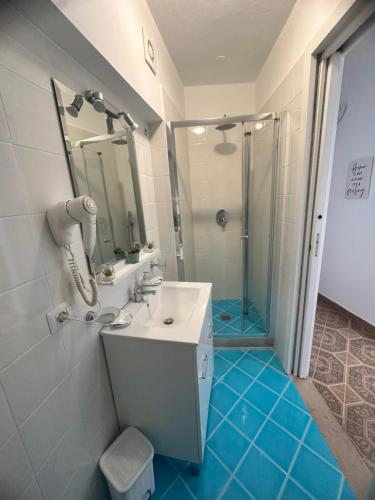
<point x="58" y="317"/>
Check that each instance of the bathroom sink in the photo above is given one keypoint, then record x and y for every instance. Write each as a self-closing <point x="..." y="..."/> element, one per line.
<point x="176" y="313"/>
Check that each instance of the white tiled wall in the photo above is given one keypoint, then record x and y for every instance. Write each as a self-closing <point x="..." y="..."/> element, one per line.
<point x="56" y="409"/>
<point x="215" y="169"/>
<point x="287" y="101"/>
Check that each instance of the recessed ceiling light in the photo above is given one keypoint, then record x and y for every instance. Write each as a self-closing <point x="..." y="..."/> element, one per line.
<point x="220" y="58"/>
<point x="259" y="125"/>
<point x="198" y="130"/>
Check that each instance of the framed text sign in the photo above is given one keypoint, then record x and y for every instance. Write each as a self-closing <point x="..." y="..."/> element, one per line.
<point x="358" y="180"/>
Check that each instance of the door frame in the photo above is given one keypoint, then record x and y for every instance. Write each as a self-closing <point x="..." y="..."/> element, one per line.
<point x="327" y="70"/>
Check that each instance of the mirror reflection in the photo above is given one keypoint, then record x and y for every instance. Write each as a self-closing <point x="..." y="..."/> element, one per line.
<point x="102" y="159"/>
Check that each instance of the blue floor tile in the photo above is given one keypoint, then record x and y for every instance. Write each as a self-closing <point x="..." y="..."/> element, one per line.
<point x="178" y="491"/>
<point x="221" y="366"/>
<point x="260" y="476"/>
<point x="315" y="476"/>
<point x="250" y="365"/>
<point x="273" y="379"/>
<point x="262" y="354"/>
<point x="235" y="492"/>
<point x="223" y="398"/>
<point x="238" y="325"/>
<point x="237" y="380"/>
<point x="236" y="423"/>
<point x="211" y="480"/>
<point x="292" y="394"/>
<point x="275" y="363"/>
<point x="277" y="444"/>
<point x="214" y="418"/>
<point x="228" y="445"/>
<point x="261" y="397"/>
<point x="347" y="493"/>
<point x="246" y="418"/>
<point x="317" y="443"/>
<point x="291" y="418"/>
<point x="164" y="475"/>
<point x="293" y="492"/>
<point x="231" y="355"/>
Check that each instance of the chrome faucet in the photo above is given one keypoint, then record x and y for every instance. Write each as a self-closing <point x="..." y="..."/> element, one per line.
<point x="140" y="292"/>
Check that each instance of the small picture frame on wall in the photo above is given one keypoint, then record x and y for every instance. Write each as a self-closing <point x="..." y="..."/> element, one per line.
<point x="149" y="51"/>
<point x="358" y="181"/>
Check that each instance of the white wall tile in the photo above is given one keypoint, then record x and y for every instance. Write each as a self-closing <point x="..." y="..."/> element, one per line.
<point x="45" y="427"/>
<point x="160" y="164"/>
<point x="32" y="492"/>
<point x="46" y="176"/>
<point x="69" y="457"/>
<point x="23" y="321"/>
<point x="20" y="260"/>
<point x="4" y="129"/>
<point x="26" y="64"/>
<point x="15" y="469"/>
<point x="162" y="189"/>
<point x="91" y="382"/>
<point x="29" y="379"/>
<point x="7" y="425"/>
<point x="81" y="340"/>
<point x="31" y="113"/>
<point x="12" y="188"/>
<point x="62" y="287"/>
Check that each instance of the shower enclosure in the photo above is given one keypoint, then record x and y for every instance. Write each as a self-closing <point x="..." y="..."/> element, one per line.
<point x="223" y="178"/>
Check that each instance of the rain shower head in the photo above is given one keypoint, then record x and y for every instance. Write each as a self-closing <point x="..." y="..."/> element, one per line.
<point x="96" y="99"/>
<point x="225" y="126"/>
<point x="74" y="108"/>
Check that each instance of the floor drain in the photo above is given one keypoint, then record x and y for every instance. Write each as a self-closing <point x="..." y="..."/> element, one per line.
<point x="168" y="321"/>
<point x="225" y="317"/>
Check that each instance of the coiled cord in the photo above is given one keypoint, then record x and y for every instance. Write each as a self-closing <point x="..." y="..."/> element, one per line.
<point x="80" y="282"/>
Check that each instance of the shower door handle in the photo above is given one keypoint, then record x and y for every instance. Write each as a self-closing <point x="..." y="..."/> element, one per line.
<point x="244" y="236"/>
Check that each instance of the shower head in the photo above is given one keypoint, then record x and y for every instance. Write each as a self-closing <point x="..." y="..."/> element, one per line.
<point x="74" y="108"/>
<point x="225" y="126"/>
<point x="130" y="121"/>
<point x="96" y="99"/>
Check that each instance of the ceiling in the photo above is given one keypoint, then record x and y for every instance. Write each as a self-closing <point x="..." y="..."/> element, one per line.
<point x="197" y="31"/>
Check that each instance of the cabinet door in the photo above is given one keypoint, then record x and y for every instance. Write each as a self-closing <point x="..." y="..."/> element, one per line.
<point x="205" y="364"/>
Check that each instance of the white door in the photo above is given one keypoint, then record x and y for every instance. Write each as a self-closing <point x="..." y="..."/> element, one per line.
<point x="326" y="153"/>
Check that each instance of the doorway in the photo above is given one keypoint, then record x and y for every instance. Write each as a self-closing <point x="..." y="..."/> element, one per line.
<point x="223" y="174"/>
<point x="340" y="291"/>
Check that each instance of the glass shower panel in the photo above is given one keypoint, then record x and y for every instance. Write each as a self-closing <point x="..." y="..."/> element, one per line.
<point x="209" y="172"/>
<point x="222" y="181"/>
<point x="260" y="223"/>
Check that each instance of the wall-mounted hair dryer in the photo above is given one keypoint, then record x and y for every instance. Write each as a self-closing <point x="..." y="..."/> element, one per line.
<point x="62" y="218"/>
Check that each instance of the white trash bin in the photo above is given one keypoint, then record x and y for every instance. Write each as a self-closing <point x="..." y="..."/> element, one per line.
<point x="127" y="466"/>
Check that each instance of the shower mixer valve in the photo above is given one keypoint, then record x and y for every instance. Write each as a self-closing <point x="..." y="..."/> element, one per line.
<point x="222" y="217"/>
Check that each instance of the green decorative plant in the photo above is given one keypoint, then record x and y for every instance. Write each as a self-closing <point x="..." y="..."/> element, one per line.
<point x="133" y="254"/>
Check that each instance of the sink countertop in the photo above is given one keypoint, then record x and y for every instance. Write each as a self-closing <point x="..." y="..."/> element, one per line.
<point x="188" y="333"/>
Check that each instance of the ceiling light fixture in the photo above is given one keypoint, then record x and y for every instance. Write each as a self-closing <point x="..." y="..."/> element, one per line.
<point x="220" y="58"/>
<point x="198" y="130"/>
<point x="259" y="125"/>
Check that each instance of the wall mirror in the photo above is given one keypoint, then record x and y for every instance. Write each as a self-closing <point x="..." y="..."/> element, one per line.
<point x="103" y="164"/>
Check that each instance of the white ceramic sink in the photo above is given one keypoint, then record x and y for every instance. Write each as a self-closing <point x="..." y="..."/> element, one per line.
<point x="184" y="303"/>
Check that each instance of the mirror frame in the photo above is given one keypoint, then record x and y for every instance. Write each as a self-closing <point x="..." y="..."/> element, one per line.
<point x="132" y="158"/>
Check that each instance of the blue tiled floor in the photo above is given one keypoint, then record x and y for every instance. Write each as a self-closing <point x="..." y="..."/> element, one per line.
<point x="238" y="325"/>
<point x="262" y="443"/>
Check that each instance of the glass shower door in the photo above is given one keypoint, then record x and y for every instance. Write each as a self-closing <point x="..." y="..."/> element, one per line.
<point x="222" y="178"/>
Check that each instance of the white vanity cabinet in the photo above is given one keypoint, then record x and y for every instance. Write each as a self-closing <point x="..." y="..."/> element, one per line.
<point x="162" y="385"/>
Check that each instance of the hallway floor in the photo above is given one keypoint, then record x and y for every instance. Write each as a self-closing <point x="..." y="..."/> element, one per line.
<point x="262" y="442"/>
<point x="236" y="325"/>
<point x="343" y="370"/>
